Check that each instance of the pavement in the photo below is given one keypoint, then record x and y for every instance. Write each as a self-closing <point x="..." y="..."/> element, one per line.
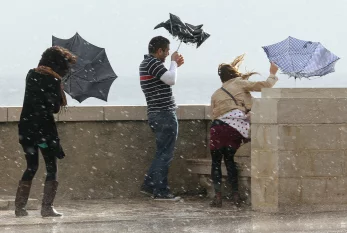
<point x="188" y="215"/>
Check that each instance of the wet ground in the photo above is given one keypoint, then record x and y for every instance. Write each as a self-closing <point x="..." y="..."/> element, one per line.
<point x="190" y="215"/>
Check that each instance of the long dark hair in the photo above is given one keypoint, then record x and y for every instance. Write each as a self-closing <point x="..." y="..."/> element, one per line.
<point x="230" y="71"/>
<point x="58" y="59"/>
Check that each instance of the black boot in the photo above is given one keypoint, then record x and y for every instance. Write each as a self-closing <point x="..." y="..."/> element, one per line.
<point x="217" y="200"/>
<point x="236" y="199"/>
<point x="49" y="193"/>
<point x="22" y="196"/>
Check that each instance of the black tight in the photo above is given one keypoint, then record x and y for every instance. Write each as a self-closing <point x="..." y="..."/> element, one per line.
<point x="216" y="171"/>
<point x="32" y="158"/>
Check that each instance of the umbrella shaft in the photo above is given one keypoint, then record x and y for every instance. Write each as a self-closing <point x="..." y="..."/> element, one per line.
<point x="179" y="46"/>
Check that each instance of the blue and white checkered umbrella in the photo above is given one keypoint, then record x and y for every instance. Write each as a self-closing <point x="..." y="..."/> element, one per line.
<point x="299" y="58"/>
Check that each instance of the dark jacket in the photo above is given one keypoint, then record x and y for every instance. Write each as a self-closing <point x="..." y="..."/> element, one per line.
<point x="41" y="100"/>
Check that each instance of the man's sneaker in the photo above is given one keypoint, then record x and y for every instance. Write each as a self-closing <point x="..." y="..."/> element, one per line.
<point x="146" y="190"/>
<point x="166" y="197"/>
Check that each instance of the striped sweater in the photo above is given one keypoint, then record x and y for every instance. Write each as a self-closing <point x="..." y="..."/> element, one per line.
<point x="158" y="95"/>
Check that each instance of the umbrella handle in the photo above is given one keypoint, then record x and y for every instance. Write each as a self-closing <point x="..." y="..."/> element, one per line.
<point x="179" y="46"/>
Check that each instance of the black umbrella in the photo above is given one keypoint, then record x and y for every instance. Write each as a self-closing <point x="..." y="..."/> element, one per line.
<point x="92" y="75"/>
<point x="199" y="35"/>
<point x="185" y="32"/>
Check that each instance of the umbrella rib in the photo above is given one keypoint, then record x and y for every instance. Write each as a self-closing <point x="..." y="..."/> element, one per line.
<point x="308" y="60"/>
<point x="92" y="61"/>
<point x="79" y="86"/>
<point x="78" y="77"/>
<point x="288" y="53"/>
<point x="171" y="25"/>
<point x="326" y="66"/>
<point x="103" y="49"/>
<point x="73" y="42"/>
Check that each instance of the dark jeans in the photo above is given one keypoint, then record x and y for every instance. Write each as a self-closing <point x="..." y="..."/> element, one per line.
<point x="32" y="158"/>
<point x="216" y="170"/>
<point x="165" y="126"/>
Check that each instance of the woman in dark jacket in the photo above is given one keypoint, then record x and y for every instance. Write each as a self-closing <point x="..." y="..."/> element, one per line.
<point x="44" y="96"/>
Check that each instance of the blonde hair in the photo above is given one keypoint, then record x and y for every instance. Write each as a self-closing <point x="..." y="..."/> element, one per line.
<point x="230" y="71"/>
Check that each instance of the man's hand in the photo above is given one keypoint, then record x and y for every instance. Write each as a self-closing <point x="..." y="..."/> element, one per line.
<point x="180" y="61"/>
<point x="273" y="68"/>
<point x="177" y="58"/>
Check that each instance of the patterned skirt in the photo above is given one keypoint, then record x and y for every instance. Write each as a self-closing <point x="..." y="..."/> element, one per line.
<point x="223" y="135"/>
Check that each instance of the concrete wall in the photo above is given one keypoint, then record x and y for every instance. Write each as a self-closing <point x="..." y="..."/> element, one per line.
<point x="109" y="149"/>
<point x="298" y="154"/>
<point x="299" y="150"/>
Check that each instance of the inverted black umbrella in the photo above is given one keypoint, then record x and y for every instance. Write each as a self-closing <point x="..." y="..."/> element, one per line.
<point x="199" y="35"/>
<point x="185" y="32"/>
<point x="92" y="75"/>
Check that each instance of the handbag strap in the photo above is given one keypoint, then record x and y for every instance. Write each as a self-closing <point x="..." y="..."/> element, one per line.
<point x="223" y="89"/>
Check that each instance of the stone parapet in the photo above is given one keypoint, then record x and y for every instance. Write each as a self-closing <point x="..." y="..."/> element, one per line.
<point x="110" y="113"/>
<point x="108" y="151"/>
<point x="294" y="93"/>
<point x="298" y="156"/>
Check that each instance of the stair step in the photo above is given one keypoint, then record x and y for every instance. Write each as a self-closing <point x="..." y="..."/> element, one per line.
<point x="7" y="203"/>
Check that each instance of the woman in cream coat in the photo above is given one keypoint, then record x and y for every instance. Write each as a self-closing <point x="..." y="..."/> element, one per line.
<point x="231" y="105"/>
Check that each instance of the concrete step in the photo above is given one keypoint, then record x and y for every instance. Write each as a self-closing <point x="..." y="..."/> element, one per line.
<point x="203" y="166"/>
<point x="7" y="203"/>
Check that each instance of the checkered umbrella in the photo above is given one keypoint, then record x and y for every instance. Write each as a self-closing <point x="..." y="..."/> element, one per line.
<point x="299" y="58"/>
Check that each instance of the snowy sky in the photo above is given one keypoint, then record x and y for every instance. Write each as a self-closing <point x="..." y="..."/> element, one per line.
<point x="124" y="28"/>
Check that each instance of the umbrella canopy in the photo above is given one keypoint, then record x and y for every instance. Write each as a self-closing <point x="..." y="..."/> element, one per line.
<point x="299" y="58"/>
<point x="185" y="32"/>
<point x="92" y="75"/>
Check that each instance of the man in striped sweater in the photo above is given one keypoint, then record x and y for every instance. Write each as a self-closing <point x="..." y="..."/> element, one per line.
<point x="156" y="82"/>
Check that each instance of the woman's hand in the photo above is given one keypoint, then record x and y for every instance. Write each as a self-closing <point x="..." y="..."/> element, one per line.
<point x="273" y="68"/>
<point x="248" y="116"/>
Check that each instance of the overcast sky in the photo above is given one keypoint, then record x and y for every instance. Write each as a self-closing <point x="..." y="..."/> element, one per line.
<point x="124" y="28"/>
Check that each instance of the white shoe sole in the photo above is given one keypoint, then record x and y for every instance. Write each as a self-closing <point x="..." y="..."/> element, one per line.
<point x="167" y="199"/>
<point x="146" y="193"/>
